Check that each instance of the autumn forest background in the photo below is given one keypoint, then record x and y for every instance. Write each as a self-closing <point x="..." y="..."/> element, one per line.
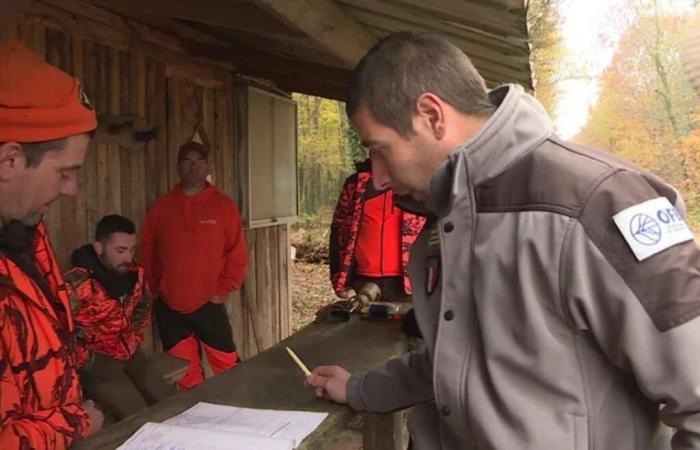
<point x="646" y="111"/>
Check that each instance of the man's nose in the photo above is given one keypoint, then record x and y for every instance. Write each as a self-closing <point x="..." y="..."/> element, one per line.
<point x="380" y="175"/>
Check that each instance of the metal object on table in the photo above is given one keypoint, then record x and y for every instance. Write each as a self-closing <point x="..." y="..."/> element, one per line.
<point x="369" y="293"/>
<point x="341" y="310"/>
<point x="338" y="311"/>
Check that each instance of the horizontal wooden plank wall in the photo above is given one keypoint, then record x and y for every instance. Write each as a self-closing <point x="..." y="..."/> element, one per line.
<point x="127" y="80"/>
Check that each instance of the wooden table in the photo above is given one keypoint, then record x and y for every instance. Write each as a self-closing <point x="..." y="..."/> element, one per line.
<point x="271" y="380"/>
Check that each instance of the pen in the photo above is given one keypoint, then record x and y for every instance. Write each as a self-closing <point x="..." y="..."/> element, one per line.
<point x="296" y="359"/>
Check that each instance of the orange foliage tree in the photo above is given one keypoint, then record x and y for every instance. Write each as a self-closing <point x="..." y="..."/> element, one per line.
<point x="647" y="112"/>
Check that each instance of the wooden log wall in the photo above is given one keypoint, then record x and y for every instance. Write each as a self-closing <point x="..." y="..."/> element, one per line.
<point x="123" y="74"/>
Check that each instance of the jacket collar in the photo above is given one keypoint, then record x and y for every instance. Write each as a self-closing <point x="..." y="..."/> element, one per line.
<point x="117" y="286"/>
<point x="363" y="166"/>
<point x="518" y="126"/>
<point x="49" y="293"/>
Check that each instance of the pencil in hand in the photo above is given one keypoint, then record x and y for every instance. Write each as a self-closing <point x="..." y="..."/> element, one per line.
<point x="296" y="359"/>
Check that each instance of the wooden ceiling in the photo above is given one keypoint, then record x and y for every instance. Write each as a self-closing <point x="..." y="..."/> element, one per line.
<point x="311" y="46"/>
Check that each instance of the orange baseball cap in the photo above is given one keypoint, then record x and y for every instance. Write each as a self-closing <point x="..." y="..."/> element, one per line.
<point x="39" y="102"/>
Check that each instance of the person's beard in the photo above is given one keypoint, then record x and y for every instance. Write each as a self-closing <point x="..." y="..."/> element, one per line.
<point x="120" y="270"/>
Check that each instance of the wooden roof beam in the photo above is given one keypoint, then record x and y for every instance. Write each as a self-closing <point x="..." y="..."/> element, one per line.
<point x="300" y="49"/>
<point x="361" y="9"/>
<point x="327" y="23"/>
<point x="313" y="87"/>
<point x="252" y="62"/>
<point x="236" y="14"/>
<point x="492" y="18"/>
<point x="508" y="59"/>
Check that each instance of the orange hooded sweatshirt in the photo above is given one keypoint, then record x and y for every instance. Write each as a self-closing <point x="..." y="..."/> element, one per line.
<point x="193" y="248"/>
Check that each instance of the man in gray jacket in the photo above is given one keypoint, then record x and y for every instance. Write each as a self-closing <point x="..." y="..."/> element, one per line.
<point x="557" y="288"/>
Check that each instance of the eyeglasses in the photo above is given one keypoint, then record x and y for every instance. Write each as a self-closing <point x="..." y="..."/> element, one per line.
<point x="191" y="162"/>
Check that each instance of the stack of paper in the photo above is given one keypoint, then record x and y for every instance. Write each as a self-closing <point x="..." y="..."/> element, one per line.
<point x="207" y="426"/>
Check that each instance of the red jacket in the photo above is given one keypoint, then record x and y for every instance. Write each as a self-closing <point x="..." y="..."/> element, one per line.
<point x="193" y="248"/>
<point x="39" y="392"/>
<point x="378" y="243"/>
<point x="106" y="324"/>
<point x="346" y="224"/>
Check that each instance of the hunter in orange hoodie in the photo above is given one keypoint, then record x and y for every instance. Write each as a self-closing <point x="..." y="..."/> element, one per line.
<point x="45" y="121"/>
<point x="194" y="254"/>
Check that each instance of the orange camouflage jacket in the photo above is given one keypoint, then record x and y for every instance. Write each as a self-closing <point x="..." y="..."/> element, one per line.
<point x="39" y="390"/>
<point x="106" y="324"/>
<point x="345" y="229"/>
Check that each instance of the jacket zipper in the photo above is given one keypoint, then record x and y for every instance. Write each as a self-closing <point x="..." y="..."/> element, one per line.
<point x="381" y="241"/>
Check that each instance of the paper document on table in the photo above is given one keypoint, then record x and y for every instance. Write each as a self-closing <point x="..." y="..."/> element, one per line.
<point x="208" y="426"/>
<point x="161" y="436"/>
<point x="290" y="425"/>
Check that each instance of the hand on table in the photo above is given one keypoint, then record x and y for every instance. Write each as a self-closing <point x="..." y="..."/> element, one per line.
<point x="95" y="415"/>
<point x="329" y="382"/>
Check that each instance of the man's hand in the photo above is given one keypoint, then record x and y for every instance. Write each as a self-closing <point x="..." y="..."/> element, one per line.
<point x="346" y="295"/>
<point x="216" y="300"/>
<point x="96" y="417"/>
<point x="329" y="382"/>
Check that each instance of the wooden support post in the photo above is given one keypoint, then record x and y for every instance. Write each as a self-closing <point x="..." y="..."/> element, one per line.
<point x="385" y="431"/>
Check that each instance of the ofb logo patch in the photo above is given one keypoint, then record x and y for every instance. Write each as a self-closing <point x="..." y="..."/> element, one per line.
<point x="645" y="229"/>
<point x="652" y="227"/>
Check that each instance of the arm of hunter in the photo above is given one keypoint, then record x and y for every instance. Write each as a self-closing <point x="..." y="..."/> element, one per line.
<point x="86" y="313"/>
<point x="235" y="255"/>
<point x="401" y="382"/>
<point x="142" y="312"/>
<point x="55" y="424"/>
<point x="340" y="235"/>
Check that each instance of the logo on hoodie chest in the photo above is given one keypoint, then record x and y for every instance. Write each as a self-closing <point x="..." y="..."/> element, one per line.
<point x="207" y="222"/>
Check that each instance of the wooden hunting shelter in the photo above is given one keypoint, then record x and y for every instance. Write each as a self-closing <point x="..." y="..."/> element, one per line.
<point x="224" y="70"/>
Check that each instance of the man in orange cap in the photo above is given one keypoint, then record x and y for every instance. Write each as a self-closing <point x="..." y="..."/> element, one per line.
<point x="194" y="254"/>
<point x="45" y="126"/>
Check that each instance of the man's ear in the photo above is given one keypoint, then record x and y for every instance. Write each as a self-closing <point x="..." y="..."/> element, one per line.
<point x="430" y="111"/>
<point x="99" y="247"/>
<point x="12" y="160"/>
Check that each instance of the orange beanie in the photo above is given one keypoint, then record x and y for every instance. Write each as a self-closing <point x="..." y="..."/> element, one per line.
<point x="39" y="102"/>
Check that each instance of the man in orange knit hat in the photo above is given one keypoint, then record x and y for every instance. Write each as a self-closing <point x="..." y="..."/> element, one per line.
<point x="45" y="121"/>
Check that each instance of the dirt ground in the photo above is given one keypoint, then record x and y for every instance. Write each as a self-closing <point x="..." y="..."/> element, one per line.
<point x="311" y="289"/>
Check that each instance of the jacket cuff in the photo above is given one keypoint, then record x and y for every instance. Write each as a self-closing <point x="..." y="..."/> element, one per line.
<point x="354" y="392"/>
